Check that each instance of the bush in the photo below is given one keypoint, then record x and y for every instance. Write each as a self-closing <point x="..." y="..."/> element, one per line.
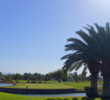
<point x="28" y="81"/>
<point x="33" y="81"/>
<point x="91" y="92"/>
<point x="40" y="82"/>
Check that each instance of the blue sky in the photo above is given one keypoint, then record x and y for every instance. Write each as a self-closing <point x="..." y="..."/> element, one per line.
<point x="33" y="33"/>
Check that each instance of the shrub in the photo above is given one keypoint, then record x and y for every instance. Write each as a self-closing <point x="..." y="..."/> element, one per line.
<point x="40" y="82"/>
<point x="33" y="81"/>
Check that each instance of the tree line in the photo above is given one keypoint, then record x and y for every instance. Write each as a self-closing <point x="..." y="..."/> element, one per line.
<point x="59" y="75"/>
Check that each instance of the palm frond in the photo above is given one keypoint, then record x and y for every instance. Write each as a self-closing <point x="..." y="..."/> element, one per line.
<point x="74" y="65"/>
<point x="77" y="41"/>
<point x="85" y="37"/>
<point x="79" y="65"/>
<point x="66" y="56"/>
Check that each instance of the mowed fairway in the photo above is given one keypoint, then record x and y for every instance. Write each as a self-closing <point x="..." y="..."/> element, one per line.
<point x="41" y="86"/>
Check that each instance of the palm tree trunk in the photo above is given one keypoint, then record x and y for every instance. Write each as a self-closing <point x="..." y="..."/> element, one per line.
<point x="105" y="69"/>
<point x="91" y="92"/>
<point x="94" y="81"/>
<point x="106" y="90"/>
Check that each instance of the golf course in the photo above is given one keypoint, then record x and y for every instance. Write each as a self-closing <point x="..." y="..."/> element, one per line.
<point x="48" y="85"/>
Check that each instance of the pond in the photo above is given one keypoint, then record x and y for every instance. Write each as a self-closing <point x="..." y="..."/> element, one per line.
<point x="47" y="95"/>
<point x="5" y="84"/>
<point x="55" y="95"/>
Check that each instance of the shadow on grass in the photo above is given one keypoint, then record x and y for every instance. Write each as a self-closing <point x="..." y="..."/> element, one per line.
<point x="74" y="98"/>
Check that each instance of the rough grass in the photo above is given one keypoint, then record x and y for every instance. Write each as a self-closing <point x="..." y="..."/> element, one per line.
<point x="8" y="96"/>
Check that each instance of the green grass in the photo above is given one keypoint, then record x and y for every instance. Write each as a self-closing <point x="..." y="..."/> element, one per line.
<point x="8" y="96"/>
<point x="25" y="81"/>
<point x="79" y="85"/>
<point x="53" y="85"/>
<point x="22" y="81"/>
<point x="41" y="86"/>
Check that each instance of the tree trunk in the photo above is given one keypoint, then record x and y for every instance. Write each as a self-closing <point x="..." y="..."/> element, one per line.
<point x="106" y="90"/>
<point x="105" y="69"/>
<point x="91" y="92"/>
<point x="94" y="81"/>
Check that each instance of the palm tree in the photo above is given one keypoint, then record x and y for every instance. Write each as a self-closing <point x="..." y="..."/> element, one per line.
<point x="93" y="52"/>
<point x="104" y="37"/>
<point x="86" y="52"/>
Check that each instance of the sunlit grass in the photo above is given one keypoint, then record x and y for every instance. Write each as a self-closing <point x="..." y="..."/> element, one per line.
<point x="40" y="86"/>
<point x="53" y="85"/>
<point x="8" y="96"/>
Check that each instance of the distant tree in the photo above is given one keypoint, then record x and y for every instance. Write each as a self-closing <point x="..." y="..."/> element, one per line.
<point x="9" y="78"/>
<point x="88" y="78"/>
<point x="1" y="76"/>
<point x="75" y="77"/>
<point x="17" y="77"/>
<point x="27" y="76"/>
<point x="38" y="76"/>
<point x="47" y="77"/>
<point x="59" y="75"/>
<point x="83" y="75"/>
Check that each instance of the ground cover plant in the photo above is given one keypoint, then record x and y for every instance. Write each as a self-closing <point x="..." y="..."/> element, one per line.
<point x="8" y="96"/>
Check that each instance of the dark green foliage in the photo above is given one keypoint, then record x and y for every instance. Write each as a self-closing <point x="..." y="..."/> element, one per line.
<point x="59" y="74"/>
<point x="40" y="82"/>
<point x="91" y="92"/>
<point x="34" y="81"/>
<point x="17" y="77"/>
<point x="35" y="76"/>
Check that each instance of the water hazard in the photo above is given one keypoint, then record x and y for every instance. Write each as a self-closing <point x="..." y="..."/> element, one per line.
<point x="5" y="84"/>
<point x="47" y="95"/>
<point x="55" y="95"/>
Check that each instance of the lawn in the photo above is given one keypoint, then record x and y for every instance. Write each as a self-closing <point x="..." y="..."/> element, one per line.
<point x="53" y="85"/>
<point x="40" y="86"/>
<point x="78" y="85"/>
<point x="8" y="96"/>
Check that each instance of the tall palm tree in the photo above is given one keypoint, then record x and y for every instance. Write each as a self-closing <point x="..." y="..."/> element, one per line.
<point x="85" y="53"/>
